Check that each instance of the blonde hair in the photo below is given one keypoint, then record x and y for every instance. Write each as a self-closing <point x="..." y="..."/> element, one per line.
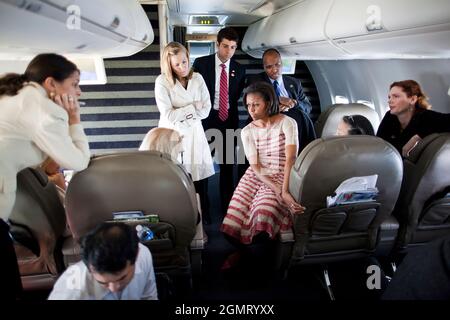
<point x="412" y="88"/>
<point x="163" y="140"/>
<point x="172" y="49"/>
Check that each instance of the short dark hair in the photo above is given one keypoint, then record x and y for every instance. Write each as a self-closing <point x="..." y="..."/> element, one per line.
<point x="358" y="125"/>
<point x="40" y="68"/>
<point x="267" y="92"/>
<point x="109" y="247"/>
<point x="270" y="50"/>
<point x="229" y="34"/>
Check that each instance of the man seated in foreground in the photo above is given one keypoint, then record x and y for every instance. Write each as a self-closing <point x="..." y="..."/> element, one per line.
<point x="115" y="266"/>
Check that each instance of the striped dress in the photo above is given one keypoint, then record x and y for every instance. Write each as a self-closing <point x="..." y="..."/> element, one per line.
<point x="254" y="207"/>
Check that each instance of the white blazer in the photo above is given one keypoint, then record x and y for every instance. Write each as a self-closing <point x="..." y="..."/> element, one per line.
<point x="175" y="104"/>
<point x="33" y="127"/>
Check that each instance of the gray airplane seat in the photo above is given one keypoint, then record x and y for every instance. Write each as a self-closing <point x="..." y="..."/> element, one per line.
<point x="345" y="231"/>
<point x="37" y="224"/>
<point x="142" y="181"/>
<point x="423" y="208"/>
<point x="327" y="123"/>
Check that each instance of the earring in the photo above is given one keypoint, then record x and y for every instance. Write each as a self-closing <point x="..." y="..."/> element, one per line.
<point x="52" y="95"/>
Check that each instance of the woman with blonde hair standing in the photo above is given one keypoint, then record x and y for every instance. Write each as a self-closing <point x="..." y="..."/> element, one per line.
<point x="183" y="101"/>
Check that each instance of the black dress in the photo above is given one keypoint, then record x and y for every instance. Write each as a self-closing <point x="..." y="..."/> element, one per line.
<point x="423" y="123"/>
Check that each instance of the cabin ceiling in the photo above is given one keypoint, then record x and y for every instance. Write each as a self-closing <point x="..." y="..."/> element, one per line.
<point x="239" y="12"/>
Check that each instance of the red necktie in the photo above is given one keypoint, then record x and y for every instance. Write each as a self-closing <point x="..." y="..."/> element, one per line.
<point x="223" y="97"/>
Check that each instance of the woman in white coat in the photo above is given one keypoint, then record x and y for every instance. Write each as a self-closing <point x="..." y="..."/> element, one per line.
<point x="39" y="117"/>
<point x="183" y="101"/>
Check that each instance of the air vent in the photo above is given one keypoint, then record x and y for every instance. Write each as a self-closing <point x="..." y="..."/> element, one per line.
<point x="115" y="23"/>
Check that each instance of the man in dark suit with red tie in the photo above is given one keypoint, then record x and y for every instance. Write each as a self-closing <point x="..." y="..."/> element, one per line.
<point x="293" y="101"/>
<point x="225" y="79"/>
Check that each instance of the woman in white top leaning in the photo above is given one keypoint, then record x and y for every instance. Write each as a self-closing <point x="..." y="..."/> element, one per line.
<point x="183" y="101"/>
<point x="39" y="117"/>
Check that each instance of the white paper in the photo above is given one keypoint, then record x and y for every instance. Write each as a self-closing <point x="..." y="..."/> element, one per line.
<point x="354" y="190"/>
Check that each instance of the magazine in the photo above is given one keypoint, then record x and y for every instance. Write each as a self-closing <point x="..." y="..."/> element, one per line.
<point x="354" y="190"/>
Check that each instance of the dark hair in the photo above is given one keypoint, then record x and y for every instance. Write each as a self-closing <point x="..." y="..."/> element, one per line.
<point x="358" y="125"/>
<point x="412" y="88"/>
<point x="40" y="68"/>
<point x="270" y="50"/>
<point x="229" y="34"/>
<point x="109" y="247"/>
<point x="267" y="92"/>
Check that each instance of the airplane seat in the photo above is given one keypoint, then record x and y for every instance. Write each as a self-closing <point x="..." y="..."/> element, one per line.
<point x="321" y="235"/>
<point x="327" y="123"/>
<point x="146" y="181"/>
<point x="37" y="222"/>
<point x="423" y="208"/>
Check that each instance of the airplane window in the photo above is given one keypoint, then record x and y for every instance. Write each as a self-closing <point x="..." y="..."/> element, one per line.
<point x="289" y="66"/>
<point x="341" y="99"/>
<point x="367" y="103"/>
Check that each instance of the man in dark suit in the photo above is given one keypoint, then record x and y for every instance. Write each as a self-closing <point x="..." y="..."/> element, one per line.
<point x="225" y="79"/>
<point x="293" y="101"/>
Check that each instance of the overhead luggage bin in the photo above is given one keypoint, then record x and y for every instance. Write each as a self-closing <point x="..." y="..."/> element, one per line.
<point x="104" y="28"/>
<point x="375" y="29"/>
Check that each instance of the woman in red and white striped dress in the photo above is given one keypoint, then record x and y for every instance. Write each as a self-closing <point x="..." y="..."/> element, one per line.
<point x="261" y="201"/>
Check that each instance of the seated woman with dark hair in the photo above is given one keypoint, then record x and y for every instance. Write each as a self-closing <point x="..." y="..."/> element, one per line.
<point x="261" y="202"/>
<point x="354" y="125"/>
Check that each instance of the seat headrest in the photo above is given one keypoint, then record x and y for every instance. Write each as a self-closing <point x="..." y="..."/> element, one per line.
<point x="38" y="206"/>
<point x="145" y="181"/>
<point x="327" y="162"/>
<point x="40" y="175"/>
<point x="328" y="121"/>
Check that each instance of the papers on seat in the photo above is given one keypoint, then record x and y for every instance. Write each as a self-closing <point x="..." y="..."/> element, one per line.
<point x="130" y="216"/>
<point x="354" y="190"/>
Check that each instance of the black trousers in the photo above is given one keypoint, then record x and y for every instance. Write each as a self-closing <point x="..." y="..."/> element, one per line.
<point x="10" y="283"/>
<point x="226" y="177"/>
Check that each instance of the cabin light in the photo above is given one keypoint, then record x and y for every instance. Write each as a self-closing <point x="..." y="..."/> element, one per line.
<point x="448" y="91"/>
<point x="205" y="20"/>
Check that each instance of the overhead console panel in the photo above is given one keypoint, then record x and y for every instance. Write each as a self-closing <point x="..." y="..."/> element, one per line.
<point x="104" y="28"/>
<point x="348" y="29"/>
